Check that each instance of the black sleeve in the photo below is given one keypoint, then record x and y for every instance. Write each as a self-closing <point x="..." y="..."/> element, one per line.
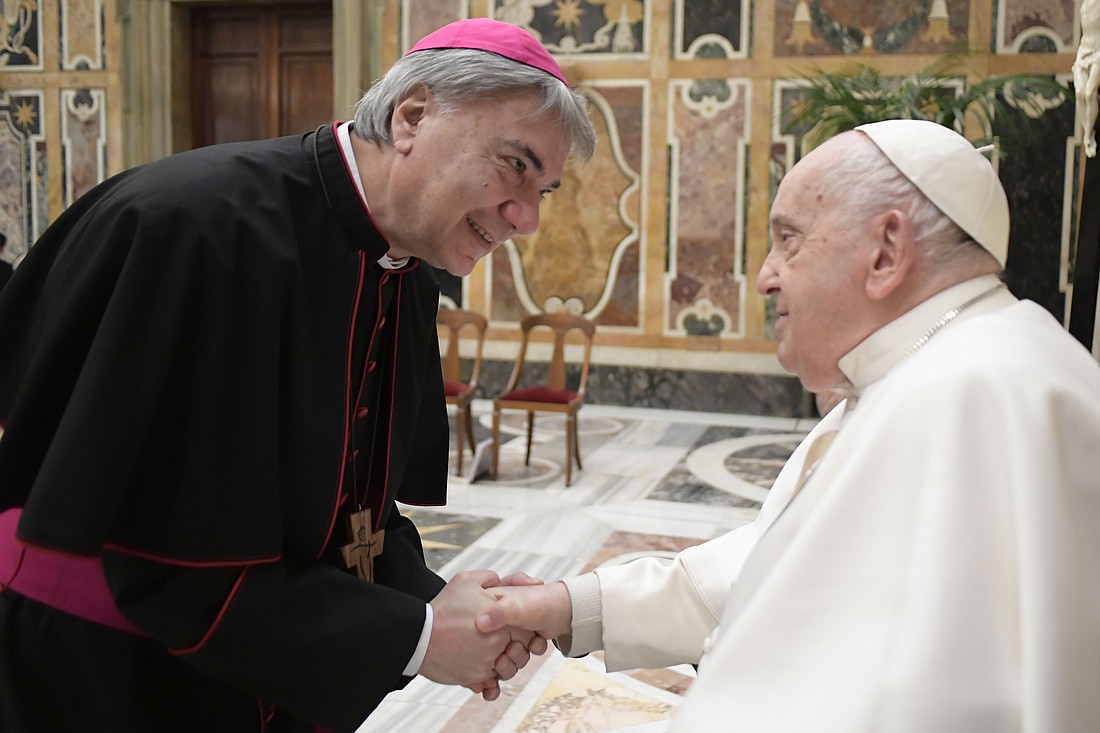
<point x="305" y="637"/>
<point x="401" y="565"/>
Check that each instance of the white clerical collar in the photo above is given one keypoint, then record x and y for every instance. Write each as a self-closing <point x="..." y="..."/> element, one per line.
<point x="880" y="352"/>
<point x="343" y="138"/>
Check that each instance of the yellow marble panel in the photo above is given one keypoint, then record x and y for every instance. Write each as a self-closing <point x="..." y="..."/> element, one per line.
<point x="81" y="34"/>
<point x="421" y="17"/>
<point x="569" y="260"/>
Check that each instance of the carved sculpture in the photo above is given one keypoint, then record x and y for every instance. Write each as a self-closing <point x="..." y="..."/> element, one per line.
<point x="1086" y="73"/>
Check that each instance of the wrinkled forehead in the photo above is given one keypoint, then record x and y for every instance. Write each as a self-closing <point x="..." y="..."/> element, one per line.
<point x="806" y="188"/>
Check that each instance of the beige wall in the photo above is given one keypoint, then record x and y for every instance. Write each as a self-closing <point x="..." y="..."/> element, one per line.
<point x="658" y="239"/>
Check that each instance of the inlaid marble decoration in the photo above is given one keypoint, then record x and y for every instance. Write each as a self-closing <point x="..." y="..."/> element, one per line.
<point x="708" y="136"/>
<point x="84" y="140"/>
<point x="20" y="35"/>
<point x="592" y="701"/>
<point x="708" y="29"/>
<point x="22" y="170"/>
<point x="580" y="26"/>
<point x="622" y="547"/>
<point x="585" y="256"/>
<point x="421" y="17"/>
<point x="444" y="535"/>
<point x="81" y="35"/>
<point x="728" y="466"/>
<point x="856" y="27"/>
<point x="1036" y="26"/>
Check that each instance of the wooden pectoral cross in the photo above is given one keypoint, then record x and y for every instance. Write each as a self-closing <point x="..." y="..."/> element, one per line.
<point x="365" y="544"/>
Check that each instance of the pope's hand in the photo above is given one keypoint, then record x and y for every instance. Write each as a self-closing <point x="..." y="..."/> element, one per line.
<point x="546" y="610"/>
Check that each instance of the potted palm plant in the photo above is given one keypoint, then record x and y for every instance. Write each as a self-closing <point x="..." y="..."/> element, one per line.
<point x="833" y="102"/>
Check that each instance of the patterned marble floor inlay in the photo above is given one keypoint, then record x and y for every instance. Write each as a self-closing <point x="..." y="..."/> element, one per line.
<point x="446" y="535"/>
<point x="653" y="483"/>
<point x="581" y="697"/>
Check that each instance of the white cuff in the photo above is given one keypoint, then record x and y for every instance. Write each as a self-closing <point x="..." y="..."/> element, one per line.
<point x="587" y="626"/>
<point x="413" y="667"/>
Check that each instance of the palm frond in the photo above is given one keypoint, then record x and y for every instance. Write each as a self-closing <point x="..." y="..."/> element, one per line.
<point x="830" y="103"/>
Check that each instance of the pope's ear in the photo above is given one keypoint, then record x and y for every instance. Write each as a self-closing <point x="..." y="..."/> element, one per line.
<point x="407" y="116"/>
<point x="891" y="259"/>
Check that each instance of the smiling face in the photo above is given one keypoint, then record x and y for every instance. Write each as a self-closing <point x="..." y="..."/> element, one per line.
<point x="467" y="179"/>
<point x="816" y="271"/>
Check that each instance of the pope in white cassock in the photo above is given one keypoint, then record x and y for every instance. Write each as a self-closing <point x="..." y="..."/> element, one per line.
<point x="929" y="558"/>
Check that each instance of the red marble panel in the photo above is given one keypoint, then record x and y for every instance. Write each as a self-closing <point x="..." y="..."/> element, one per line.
<point x="1036" y="25"/>
<point x="704" y="291"/>
<point x="855" y="27"/>
<point x="83" y="130"/>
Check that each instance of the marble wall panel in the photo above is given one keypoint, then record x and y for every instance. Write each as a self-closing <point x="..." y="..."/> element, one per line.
<point x="831" y="27"/>
<point x="21" y="35"/>
<point x="40" y="203"/>
<point x="591" y="27"/>
<point x="22" y="170"/>
<point x="638" y="58"/>
<point x="708" y="29"/>
<point x="421" y="17"/>
<point x="504" y="300"/>
<point x="84" y="140"/>
<point x="82" y="42"/>
<point x="585" y="256"/>
<point x="623" y="307"/>
<point x="1036" y="26"/>
<point x="677" y="389"/>
<point x="708" y="136"/>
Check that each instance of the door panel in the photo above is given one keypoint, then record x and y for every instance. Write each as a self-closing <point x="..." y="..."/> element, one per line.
<point x="260" y="71"/>
<point x="305" y="72"/>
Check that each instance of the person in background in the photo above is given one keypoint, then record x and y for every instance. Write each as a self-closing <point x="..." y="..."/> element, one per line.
<point x="929" y="557"/>
<point x="219" y="373"/>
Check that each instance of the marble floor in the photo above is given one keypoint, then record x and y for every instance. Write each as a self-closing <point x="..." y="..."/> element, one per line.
<point x="653" y="482"/>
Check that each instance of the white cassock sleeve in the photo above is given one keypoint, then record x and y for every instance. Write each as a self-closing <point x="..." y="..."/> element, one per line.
<point x="657" y="612"/>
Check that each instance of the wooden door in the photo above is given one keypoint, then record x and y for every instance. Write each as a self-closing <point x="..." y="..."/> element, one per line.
<point x="260" y="71"/>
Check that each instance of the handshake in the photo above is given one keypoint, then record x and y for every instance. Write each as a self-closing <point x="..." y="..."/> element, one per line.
<point x="485" y="628"/>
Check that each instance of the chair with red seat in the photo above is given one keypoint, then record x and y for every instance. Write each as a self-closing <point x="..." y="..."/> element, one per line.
<point x="460" y="392"/>
<point x="553" y="395"/>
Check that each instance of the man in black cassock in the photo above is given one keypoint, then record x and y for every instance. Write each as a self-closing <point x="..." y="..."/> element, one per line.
<point x="219" y="371"/>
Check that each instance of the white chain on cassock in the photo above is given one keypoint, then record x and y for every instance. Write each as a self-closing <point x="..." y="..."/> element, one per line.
<point x="952" y="315"/>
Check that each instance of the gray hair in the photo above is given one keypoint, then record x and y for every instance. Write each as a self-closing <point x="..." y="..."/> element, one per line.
<point x="458" y="76"/>
<point x="872" y="184"/>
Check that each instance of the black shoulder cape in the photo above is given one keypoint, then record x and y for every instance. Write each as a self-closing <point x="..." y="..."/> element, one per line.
<point x="176" y="381"/>
<point x="174" y="354"/>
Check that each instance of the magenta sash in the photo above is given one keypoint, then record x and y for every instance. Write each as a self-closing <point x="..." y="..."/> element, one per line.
<point x="73" y="584"/>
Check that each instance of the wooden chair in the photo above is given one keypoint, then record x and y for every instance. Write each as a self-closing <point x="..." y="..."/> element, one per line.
<point x="553" y="395"/>
<point x="458" y="392"/>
